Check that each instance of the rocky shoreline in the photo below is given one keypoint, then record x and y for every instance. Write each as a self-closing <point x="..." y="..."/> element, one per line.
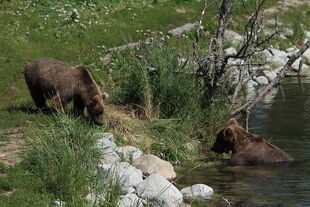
<point x="144" y="179"/>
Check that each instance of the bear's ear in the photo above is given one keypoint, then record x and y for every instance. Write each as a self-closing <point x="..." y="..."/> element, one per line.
<point x="232" y="122"/>
<point x="230" y="134"/>
<point x="104" y="96"/>
<point x="95" y="100"/>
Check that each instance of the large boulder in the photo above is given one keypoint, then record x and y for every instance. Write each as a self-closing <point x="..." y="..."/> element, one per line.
<point x="128" y="153"/>
<point x="150" y="164"/>
<point x="233" y="37"/>
<point x="197" y="191"/>
<point x="128" y="175"/>
<point x="161" y="192"/>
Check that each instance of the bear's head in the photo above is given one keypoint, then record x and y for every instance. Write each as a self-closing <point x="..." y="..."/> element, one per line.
<point x="96" y="108"/>
<point x="226" y="137"/>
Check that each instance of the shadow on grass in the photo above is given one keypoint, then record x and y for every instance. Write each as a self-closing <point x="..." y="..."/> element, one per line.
<point x="30" y="110"/>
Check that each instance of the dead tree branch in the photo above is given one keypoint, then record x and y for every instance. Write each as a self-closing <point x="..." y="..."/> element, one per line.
<point x="251" y="104"/>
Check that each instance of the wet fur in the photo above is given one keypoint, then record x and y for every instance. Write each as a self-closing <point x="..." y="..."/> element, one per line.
<point x="247" y="147"/>
<point x="48" y="78"/>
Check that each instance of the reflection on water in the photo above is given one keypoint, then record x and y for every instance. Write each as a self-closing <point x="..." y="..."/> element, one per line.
<point x="284" y="121"/>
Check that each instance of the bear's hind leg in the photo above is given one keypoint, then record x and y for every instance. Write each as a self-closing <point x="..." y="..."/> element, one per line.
<point x="39" y="99"/>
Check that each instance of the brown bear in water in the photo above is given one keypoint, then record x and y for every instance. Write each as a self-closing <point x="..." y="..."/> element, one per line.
<point x="48" y="78"/>
<point x="246" y="147"/>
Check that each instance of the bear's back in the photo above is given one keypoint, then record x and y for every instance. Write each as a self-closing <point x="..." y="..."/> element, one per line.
<point x="51" y="75"/>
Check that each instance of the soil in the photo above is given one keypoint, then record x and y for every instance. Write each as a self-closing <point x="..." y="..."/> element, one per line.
<point x="12" y="146"/>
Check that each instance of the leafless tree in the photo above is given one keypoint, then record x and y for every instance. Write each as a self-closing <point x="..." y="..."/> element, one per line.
<point x="214" y="66"/>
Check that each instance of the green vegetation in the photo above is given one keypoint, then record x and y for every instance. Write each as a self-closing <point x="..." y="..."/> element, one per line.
<point x="152" y="96"/>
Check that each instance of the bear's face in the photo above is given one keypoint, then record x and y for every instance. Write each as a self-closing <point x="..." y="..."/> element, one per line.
<point x="226" y="138"/>
<point x="96" y="109"/>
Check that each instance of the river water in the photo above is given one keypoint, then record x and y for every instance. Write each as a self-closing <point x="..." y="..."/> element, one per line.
<point x="285" y="122"/>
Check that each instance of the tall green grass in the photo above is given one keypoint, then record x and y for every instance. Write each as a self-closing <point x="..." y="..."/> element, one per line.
<point x="158" y="84"/>
<point x="64" y="157"/>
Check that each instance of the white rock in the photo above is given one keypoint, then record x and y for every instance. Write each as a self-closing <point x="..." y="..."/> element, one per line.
<point x="291" y="73"/>
<point x="261" y="80"/>
<point x="198" y="191"/>
<point x="306" y="57"/>
<point x="151" y="164"/>
<point x="105" y="143"/>
<point x="162" y="192"/>
<point x="290" y="49"/>
<point x="182" y="61"/>
<point x="130" y="200"/>
<point x="267" y="54"/>
<point x="59" y="203"/>
<point x="252" y="84"/>
<point x="276" y="61"/>
<point x="233" y="37"/>
<point x="307" y="34"/>
<point x="107" y="149"/>
<point x="270" y="75"/>
<point x="128" y="153"/>
<point x="305" y="71"/>
<point x="95" y="198"/>
<point x="104" y="135"/>
<point x="282" y="36"/>
<point x="128" y="175"/>
<point x="278" y="53"/>
<point x="230" y="51"/>
<point x="109" y="157"/>
<point x="128" y="190"/>
<point x="288" y="32"/>
<point x="292" y="52"/>
<point x="295" y="65"/>
<point x="180" y="30"/>
<point x="277" y="70"/>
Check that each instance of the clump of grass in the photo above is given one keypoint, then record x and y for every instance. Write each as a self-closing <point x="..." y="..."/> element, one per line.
<point x="157" y="86"/>
<point x="171" y="141"/>
<point x="63" y="156"/>
<point x="298" y="34"/>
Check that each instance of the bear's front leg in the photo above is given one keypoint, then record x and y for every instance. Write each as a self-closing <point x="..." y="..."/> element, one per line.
<point x="78" y="107"/>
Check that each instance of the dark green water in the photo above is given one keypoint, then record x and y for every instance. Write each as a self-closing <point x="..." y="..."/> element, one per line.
<point x="285" y="122"/>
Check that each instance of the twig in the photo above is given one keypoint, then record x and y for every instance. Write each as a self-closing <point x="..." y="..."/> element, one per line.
<point x="227" y="201"/>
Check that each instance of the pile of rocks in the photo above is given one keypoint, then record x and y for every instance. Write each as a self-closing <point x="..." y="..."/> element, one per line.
<point x="275" y="59"/>
<point x="144" y="179"/>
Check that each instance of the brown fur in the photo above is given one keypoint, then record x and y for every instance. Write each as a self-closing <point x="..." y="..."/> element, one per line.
<point x="51" y="79"/>
<point x="246" y="147"/>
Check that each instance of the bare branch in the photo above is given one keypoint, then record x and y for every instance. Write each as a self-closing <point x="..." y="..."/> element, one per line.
<point x="251" y="104"/>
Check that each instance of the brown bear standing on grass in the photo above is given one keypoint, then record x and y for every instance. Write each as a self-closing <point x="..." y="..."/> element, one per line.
<point x="246" y="147"/>
<point x="48" y="78"/>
